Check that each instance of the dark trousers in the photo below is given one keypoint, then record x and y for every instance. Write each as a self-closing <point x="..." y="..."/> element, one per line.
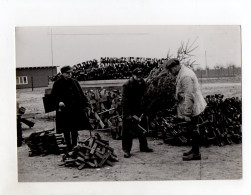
<point x="195" y="134"/>
<point x="130" y="131"/>
<point x="71" y="139"/>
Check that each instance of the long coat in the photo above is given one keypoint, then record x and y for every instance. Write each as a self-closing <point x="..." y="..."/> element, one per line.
<point x="72" y="117"/>
<point x="132" y="93"/>
<point x="188" y="94"/>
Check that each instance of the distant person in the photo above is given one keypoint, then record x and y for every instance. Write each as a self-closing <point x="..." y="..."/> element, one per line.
<point x="132" y="93"/>
<point x="70" y="103"/>
<point x="190" y="103"/>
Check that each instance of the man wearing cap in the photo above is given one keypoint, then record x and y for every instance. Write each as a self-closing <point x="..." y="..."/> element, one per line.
<point x="70" y="103"/>
<point x="190" y="102"/>
<point x="132" y="93"/>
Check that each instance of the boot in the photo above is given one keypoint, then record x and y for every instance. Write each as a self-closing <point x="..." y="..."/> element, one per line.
<point x="192" y="156"/>
<point x="127" y="155"/>
<point x="188" y="153"/>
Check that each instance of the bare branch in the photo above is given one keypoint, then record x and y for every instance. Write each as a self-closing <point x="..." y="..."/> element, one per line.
<point x="193" y="49"/>
<point x="193" y="43"/>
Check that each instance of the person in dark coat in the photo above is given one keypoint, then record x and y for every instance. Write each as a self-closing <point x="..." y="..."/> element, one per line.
<point x="71" y="104"/>
<point x="132" y="93"/>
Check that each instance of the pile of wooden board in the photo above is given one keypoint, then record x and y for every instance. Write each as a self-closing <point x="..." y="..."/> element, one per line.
<point x="93" y="152"/>
<point x="45" y="142"/>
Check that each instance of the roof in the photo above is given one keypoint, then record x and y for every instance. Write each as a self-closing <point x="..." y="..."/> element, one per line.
<point x="37" y="67"/>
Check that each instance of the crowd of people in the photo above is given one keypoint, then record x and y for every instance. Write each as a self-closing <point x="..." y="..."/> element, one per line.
<point x="112" y="68"/>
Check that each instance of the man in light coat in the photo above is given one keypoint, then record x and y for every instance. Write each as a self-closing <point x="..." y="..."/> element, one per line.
<point x="190" y="103"/>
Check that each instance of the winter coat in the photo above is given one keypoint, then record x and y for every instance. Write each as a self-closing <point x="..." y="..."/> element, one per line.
<point x="72" y="117"/>
<point x="132" y="93"/>
<point x="188" y="94"/>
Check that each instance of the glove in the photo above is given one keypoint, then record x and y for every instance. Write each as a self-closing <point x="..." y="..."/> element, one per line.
<point x="61" y="106"/>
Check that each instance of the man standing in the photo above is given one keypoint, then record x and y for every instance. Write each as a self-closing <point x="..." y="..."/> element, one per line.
<point x="132" y="93"/>
<point x="70" y="103"/>
<point x="190" y="103"/>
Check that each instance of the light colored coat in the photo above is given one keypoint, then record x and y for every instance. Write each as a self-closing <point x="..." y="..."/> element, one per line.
<point x="188" y="94"/>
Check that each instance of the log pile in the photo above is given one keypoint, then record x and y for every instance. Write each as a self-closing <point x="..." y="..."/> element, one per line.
<point x="219" y="124"/>
<point x="45" y="142"/>
<point x="93" y="152"/>
<point x="106" y="111"/>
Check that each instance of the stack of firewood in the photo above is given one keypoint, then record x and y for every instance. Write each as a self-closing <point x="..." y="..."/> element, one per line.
<point x="105" y="112"/>
<point x="45" y="142"/>
<point x="220" y="123"/>
<point x="93" y="152"/>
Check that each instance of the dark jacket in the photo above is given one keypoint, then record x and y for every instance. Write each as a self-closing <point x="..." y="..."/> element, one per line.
<point x="72" y="117"/>
<point x="132" y="93"/>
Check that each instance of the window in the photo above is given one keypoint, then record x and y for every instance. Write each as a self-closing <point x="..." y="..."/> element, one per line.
<point x="22" y="80"/>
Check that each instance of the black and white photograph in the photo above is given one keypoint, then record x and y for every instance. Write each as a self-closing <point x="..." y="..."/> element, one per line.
<point x="125" y="97"/>
<point x="129" y="103"/>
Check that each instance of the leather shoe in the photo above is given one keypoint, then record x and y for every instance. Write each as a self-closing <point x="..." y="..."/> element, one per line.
<point x="127" y="155"/>
<point x="192" y="156"/>
<point x="146" y="150"/>
<point x="188" y="153"/>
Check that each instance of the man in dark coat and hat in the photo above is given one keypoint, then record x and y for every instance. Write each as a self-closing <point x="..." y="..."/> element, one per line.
<point x="132" y="93"/>
<point x="71" y="104"/>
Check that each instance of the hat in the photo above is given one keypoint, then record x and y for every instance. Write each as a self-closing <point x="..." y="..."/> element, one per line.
<point x="137" y="72"/>
<point x="66" y="69"/>
<point x="172" y="62"/>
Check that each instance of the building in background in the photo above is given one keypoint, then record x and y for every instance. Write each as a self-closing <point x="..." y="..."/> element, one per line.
<point x="33" y="77"/>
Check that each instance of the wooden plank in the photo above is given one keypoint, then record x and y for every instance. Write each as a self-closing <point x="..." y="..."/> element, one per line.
<point x="99" y="155"/>
<point x="93" y="148"/>
<point x="91" y="164"/>
<point x="81" y="166"/>
<point x="96" y="163"/>
<point x="86" y="147"/>
<point x="91" y="142"/>
<point x="70" y="161"/>
<point x="105" y="158"/>
<point x="114" y="157"/>
<point x="81" y="154"/>
<point x="109" y="163"/>
<point x="99" y="120"/>
<point x="104" y="145"/>
<point x="78" y="163"/>
<point x="81" y="159"/>
<point x="109" y="123"/>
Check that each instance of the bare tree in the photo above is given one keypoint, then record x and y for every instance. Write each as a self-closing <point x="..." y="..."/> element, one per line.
<point x="184" y="53"/>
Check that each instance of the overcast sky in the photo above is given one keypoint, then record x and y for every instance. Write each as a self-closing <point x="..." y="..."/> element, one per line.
<point x="36" y="46"/>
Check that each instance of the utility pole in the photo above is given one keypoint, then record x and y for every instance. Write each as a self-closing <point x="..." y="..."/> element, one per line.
<point x="206" y="62"/>
<point x="51" y="49"/>
<point x="32" y="83"/>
